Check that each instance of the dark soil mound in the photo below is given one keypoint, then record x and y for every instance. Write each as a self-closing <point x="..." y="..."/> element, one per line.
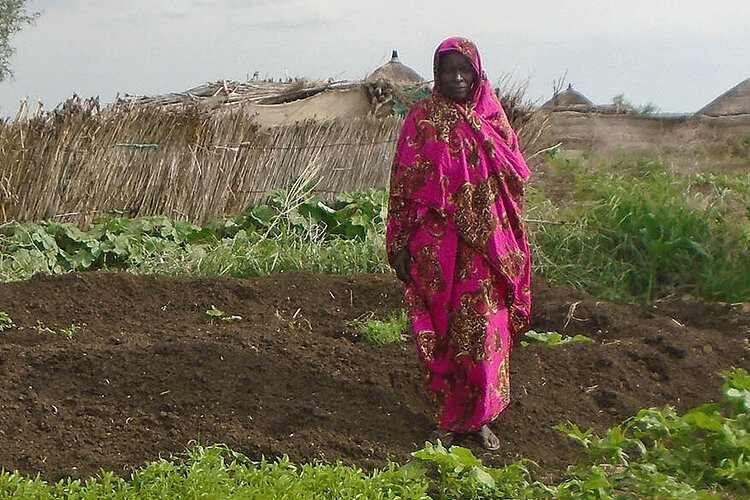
<point x="149" y="373"/>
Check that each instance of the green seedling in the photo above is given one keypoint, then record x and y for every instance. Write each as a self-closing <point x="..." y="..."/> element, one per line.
<point x="215" y="313"/>
<point x="553" y="338"/>
<point x="6" y="323"/>
<point x="69" y="332"/>
<point x="43" y="329"/>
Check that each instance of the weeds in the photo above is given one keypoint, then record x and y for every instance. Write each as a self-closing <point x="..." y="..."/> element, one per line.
<point x="636" y="232"/>
<point x="381" y="332"/>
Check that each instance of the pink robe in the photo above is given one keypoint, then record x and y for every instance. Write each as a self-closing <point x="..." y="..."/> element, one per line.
<point x="456" y="197"/>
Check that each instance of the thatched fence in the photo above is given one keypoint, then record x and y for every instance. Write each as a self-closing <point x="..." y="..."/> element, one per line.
<point x="79" y="163"/>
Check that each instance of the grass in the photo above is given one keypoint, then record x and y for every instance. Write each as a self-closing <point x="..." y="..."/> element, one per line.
<point x="632" y="231"/>
<point x="380" y="332"/>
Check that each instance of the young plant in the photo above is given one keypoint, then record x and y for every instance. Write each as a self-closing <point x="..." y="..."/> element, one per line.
<point x="553" y="338"/>
<point x="69" y="332"/>
<point x="5" y="322"/>
<point x="659" y="453"/>
<point x="43" y="329"/>
<point x="215" y="313"/>
<point x="456" y="472"/>
<point x="381" y="332"/>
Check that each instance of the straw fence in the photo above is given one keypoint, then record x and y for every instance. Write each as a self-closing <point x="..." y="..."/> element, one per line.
<point x="197" y="155"/>
<point x="78" y="163"/>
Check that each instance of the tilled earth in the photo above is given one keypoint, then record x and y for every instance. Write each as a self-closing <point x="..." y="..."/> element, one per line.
<point x="149" y="373"/>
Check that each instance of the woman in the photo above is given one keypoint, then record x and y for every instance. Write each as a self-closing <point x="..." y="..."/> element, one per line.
<point x="457" y="240"/>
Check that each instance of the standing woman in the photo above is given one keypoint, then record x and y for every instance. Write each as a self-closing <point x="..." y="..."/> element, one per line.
<point x="457" y="240"/>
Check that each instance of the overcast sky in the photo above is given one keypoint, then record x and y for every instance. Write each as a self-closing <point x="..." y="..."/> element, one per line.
<point x="676" y="54"/>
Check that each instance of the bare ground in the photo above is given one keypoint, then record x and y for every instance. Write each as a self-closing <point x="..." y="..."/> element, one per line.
<point x="149" y="373"/>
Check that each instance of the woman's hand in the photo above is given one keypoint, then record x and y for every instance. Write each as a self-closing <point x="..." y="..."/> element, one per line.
<point x="402" y="265"/>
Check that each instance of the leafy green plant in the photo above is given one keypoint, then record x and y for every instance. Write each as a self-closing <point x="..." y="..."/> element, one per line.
<point x="294" y="231"/>
<point x="633" y="231"/>
<point x="381" y="332"/>
<point x="661" y="454"/>
<point x="6" y="323"/>
<point x="215" y="313"/>
<point x="737" y="388"/>
<point x="457" y="473"/>
<point x="218" y="472"/>
<point x="553" y="338"/>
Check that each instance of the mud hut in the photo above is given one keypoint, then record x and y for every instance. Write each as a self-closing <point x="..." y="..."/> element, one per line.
<point x="569" y="100"/>
<point x="735" y="101"/>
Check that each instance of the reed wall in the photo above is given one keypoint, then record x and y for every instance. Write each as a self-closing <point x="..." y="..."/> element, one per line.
<point x="78" y="163"/>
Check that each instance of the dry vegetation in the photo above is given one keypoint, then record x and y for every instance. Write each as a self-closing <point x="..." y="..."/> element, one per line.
<point x="77" y="163"/>
<point x="189" y="156"/>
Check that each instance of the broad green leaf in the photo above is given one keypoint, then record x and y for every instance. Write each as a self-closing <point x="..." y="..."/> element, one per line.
<point x="483" y="477"/>
<point x="464" y="456"/>
<point x="262" y="215"/>
<point x="739" y="396"/>
<point x="82" y="260"/>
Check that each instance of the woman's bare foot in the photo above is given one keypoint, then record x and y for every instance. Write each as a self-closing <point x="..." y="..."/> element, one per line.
<point x="446" y="437"/>
<point x="487" y="439"/>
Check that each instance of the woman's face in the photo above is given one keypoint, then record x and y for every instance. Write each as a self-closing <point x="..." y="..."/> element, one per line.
<point x="456" y="77"/>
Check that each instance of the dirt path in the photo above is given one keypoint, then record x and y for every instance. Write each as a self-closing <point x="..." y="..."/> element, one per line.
<point x="149" y="373"/>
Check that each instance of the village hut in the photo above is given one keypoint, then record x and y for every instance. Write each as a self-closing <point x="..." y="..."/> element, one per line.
<point x="396" y="72"/>
<point x="269" y="103"/>
<point x="569" y="100"/>
<point x="735" y="101"/>
<point x="394" y="88"/>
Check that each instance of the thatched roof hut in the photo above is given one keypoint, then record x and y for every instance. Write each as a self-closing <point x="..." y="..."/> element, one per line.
<point x="735" y="101"/>
<point x="396" y="72"/>
<point x="390" y="89"/>
<point x="569" y="100"/>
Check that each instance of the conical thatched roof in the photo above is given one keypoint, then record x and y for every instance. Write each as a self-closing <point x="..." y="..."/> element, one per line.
<point x="569" y="99"/>
<point x="735" y="101"/>
<point x="396" y="72"/>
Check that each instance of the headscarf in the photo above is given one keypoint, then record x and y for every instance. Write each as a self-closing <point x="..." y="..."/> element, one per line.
<point x="463" y="162"/>
<point x="484" y="102"/>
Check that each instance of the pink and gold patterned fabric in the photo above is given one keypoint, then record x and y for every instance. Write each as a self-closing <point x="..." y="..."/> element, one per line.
<point x="456" y="199"/>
